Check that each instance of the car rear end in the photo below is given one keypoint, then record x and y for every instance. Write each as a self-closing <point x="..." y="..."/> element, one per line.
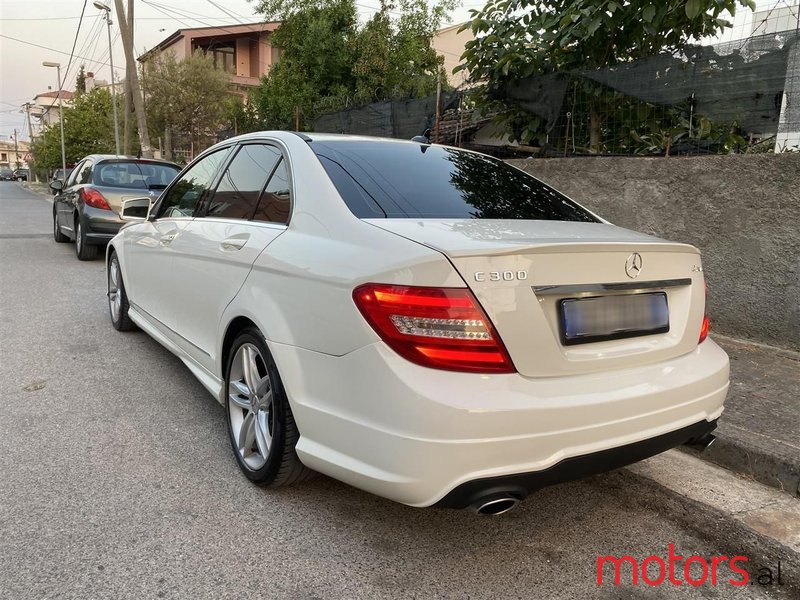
<point x="571" y="347"/>
<point x="116" y="193"/>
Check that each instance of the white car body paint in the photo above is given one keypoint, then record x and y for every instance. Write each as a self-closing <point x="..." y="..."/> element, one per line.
<point x="375" y="420"/>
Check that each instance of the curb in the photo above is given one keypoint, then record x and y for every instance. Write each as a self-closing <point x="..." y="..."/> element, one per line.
<point x="748" y="460"/>
<point x="730" y="511"/>
<point x="37" y="190"/>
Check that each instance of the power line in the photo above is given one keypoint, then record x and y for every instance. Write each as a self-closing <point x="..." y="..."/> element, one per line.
<point x="72" y="53"/>
<point x="227" y="12"/>
<point x="27" y="43"/>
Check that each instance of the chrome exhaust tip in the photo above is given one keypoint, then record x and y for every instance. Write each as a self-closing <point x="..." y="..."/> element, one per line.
<point x="496" y="506"/>
<point x="702" y="443"/>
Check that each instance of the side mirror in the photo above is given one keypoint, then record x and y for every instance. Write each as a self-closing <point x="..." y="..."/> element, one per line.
<point x="137" y="209"/>
<point x="56" y="185"/>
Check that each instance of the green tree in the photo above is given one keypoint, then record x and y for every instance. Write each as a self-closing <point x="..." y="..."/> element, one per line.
<point x="88" y="129"/>
<point x="80" y="81"/>
<point x="515" y="39"/>
<point x="327" y="59"/>
<point x="188" y="97"/>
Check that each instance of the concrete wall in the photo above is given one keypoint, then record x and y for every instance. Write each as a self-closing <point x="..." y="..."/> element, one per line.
<point x="742" y="212"/>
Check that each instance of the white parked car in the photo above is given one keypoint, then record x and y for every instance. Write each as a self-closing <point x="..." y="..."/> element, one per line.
<point x="428" y="324"/>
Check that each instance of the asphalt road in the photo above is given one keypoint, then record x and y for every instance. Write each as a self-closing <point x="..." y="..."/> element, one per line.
<point x="117" y="481"/>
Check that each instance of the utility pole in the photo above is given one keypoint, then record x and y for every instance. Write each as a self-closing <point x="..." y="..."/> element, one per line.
<point x="126" y="136"/>
<point x="438" y="106"/>
<point x="107" y="13"/>
<point x="133" y="77"/>
<point x="16" y="151"/>
<point x="32" y="171"/>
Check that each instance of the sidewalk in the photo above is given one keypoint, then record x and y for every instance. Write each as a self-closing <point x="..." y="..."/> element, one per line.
<point x="759" y="433"/>
<point x="38" y="188"/>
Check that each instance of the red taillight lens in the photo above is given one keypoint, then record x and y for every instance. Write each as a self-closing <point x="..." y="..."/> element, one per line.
<point x="706" y="323"/>
<point x="94" y="198"/>
<point x="441" y="328"/>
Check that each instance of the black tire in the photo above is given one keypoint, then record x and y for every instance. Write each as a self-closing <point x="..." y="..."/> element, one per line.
<point x="118" y="297"/>
<point x="58" y="236"/>
<point x="282" y="466"/>
<point x="83" y="250"/>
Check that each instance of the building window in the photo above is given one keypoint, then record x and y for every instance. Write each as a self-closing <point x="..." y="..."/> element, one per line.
<point x="224" y="55"/>
<point x="3" y="157"/>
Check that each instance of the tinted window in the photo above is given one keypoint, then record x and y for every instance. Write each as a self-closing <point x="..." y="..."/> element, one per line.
<point x="413" y="180"/>
<point x="71" y="176"/>
<point x="134" y="175"/>
<point x="275" y="204"/>
<point x="84" y="172"/>
<point x="240" y="187"/>
<point x="180" y="200"/>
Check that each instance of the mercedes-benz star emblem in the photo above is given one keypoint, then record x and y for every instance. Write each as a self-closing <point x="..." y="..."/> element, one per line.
<point x="633" y="266"/>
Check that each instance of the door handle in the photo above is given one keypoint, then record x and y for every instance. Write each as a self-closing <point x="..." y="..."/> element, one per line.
<point x="233" y="243"/>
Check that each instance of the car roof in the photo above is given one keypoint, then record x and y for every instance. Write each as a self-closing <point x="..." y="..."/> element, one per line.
<point x="125" y="158"/>
<point x="307" y="136"/>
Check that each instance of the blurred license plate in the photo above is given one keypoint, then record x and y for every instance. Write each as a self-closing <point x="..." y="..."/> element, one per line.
<point x="585" y="320"/>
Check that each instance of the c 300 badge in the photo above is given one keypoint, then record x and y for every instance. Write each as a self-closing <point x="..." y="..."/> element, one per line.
<point x="482" y="276"/>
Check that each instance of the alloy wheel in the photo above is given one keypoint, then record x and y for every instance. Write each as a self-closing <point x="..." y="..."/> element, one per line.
<point x="250" y="403"/>
<point x="114" y="292"/>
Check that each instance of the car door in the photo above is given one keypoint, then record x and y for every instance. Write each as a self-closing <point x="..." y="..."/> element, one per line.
<point x="215" y="253"/>
<point x="65" y="200"/>
<point x="149" y="246"/>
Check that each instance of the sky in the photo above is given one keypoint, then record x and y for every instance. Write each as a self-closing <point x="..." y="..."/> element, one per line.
<point x="45" y="30"/>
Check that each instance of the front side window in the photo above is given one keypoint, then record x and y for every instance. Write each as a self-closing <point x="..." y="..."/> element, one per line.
<point x="240" y="187"/>
<point x="181" y="199"/>
<point x="379" y="179"/>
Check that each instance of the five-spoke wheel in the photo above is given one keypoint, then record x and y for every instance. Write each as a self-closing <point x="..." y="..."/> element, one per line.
<point x="262" y="430"/>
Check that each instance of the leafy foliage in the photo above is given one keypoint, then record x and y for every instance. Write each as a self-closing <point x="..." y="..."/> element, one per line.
<point x="191" y="97"/>
<point x="80" y="80"/>
<point x="516" y="39"/>
<point x="88" y="129"/>
<point x="328" y="60"/>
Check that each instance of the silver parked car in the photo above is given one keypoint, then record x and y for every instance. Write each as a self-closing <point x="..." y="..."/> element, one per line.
<point x="101" y="194"/>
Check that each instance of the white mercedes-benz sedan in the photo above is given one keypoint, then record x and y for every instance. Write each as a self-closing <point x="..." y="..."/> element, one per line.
<point x="428" y="324"/>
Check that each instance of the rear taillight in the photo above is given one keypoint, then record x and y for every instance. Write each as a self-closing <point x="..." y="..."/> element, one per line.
<point x="706" y="324"/>
<point x="94" y="198"/>
<point x="441" y="328"/>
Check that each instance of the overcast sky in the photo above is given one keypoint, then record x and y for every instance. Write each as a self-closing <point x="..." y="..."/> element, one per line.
<point x="44" y="30"/>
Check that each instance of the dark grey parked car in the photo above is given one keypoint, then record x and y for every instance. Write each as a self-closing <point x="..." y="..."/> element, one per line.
<point x="101" y="194"/>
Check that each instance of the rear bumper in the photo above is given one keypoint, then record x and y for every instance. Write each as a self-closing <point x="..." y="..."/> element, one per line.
<point x="100" y="225"/>
<point x="522" y="485"/>
<point x="417" y="435"/>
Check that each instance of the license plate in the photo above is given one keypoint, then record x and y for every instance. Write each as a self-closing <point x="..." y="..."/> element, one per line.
<point x="585" y="320"/>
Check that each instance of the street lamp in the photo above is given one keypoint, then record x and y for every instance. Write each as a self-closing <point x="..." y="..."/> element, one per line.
<point x="60" y="115"/>
<point x="103" y="7"/>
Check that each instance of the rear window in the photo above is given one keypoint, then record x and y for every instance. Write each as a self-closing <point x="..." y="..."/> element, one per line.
<point x="406" y="180"/>
<point x="134" y="175"/>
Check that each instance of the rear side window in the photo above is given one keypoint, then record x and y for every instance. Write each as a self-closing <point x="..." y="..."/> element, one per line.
<point x="275" y="203"/>
<point x="240" y="187"/>
<point x="85" y="173"/>
<point x="407" y="180"/>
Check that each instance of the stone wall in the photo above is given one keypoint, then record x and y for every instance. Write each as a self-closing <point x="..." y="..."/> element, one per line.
<point x="742" y="212"/>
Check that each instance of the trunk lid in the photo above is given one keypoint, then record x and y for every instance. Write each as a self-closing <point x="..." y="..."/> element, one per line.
<point x="520" y="271"/>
